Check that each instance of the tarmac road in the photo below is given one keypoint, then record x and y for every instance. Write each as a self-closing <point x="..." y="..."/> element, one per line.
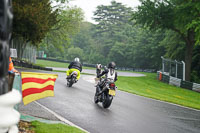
<point x="128" y="113"/>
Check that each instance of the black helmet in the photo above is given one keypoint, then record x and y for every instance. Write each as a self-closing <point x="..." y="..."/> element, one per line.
<point x="111" y="65"/>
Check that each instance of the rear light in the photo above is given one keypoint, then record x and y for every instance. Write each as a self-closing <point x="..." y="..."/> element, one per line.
<point x="112" y="85"/>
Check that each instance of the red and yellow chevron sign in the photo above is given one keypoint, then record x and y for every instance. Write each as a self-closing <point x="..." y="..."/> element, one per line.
<point x="37" y="85"/>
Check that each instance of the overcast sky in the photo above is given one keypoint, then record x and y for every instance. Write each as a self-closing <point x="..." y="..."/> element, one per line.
<point x="89" y="6"/>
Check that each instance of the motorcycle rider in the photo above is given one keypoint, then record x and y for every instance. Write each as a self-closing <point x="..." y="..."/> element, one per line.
<point x="74" y="66"/>
<point x="109" y="73"/>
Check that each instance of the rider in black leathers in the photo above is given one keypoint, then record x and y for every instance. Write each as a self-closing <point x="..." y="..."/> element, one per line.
<point x="109" y="73"/>
<point x="74" y="66"/>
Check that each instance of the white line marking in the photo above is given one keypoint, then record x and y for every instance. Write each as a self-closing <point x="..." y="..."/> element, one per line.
<point x="61" y="118"/>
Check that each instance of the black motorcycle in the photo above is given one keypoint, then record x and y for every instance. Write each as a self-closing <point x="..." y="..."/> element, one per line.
<point x="105" y="90"/>
<point x="72" y="79"/>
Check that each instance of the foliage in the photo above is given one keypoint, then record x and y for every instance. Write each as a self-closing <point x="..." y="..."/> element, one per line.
<point x="111" y="20"/>
<point x="68" y="25"/>
<point x="59" y="36"/>
<point x="33" y="19"/>
<point x="111" y="16"/>
<point x="127" y="45"/>
<point x="174" y="46"/>
<point x="179" y="16"/>
<point x="195" y="76"/>
<point x="83" y="39"/>
<point x="74" y="52"/>
<point x="138" y="43"/>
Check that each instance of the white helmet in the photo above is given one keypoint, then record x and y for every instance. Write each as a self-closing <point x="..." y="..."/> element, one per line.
<point x="77" y="59"/>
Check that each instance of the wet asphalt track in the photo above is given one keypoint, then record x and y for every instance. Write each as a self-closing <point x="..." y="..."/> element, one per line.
<point x="127" y="114"/>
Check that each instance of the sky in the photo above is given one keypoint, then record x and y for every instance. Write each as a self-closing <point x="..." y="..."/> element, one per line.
<point x="89" y="6"/>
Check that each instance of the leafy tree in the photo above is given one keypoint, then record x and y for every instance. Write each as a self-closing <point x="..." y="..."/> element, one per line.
<point x="83" y="39"/>
<point x="68" y="25"/>
<point x="177" y="15"/>
<point x="196" y="65"/>
<point x="59" y="37"/>
<point x="115" y="15"/>
<point x="74" y="52"/>
<point x="111" y="20"/>
<point x="32" y="20"/>
<point x="174" y="45"/>
<point x="118" y="54"/>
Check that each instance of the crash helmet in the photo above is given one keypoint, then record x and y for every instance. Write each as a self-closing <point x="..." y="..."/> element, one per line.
<point x="77" y="59"/>
<point x="111" y="65"/>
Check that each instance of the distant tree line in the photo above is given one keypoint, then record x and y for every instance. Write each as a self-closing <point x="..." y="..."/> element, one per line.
<point x="138" y="38"/>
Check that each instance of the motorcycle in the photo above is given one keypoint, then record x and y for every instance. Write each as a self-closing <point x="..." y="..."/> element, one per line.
<point x="72" y="79"/>
<point x="105" y="95"/>
<point x="105" y="89"/>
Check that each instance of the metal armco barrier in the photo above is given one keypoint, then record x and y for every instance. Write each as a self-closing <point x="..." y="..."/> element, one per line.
<point x="177" y="82"/>
<point x="174" y="81"/>
<point x="196" y="87"/>
<point x="9" y="117"/>
<point x="186" y="85"/>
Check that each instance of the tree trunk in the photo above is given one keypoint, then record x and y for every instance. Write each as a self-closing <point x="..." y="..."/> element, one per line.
<point x="188" y="61"/>
<point x="188" y="54"/>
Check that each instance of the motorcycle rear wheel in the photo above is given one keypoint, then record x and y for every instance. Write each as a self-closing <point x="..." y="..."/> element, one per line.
<point x="69" y="83"/>
<point x="96" y="99"/>
<point x="107" y="101"/>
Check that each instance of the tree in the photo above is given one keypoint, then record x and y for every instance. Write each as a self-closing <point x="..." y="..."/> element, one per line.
<point x="59" y="36"/>
<point x="68" y="25"/>
<point x="111" y="19"/>
<point x="83" y="39"/>
<point x="74" y="52"/>
<point x="32" y="20"/>
<point x="177" y="15"/>
<point x="174" y="45"/>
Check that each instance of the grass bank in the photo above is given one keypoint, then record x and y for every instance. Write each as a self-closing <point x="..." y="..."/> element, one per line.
<point x="46" y="63"/>
<point x="149" y="86"/>
<point x="39" y="127"/>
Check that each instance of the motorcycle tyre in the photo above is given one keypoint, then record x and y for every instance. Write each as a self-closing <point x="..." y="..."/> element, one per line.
<point x="96" y="99"/>
<point x="69" y="83"/>
<point x="107" y="101"/>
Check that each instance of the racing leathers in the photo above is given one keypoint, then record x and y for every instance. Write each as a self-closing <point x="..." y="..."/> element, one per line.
<point x="110" y="74"/>
<point x="74" y="66"/>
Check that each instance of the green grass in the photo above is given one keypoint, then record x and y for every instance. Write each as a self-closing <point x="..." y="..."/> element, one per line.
<point x="46" y="63"/>
<point x="149" y="86"/>
<point x="39" y="127"/>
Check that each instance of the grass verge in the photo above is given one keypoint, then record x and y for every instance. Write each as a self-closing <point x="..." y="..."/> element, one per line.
<point x="53" y="128"/>
<point x="149" y="86"/>
<point x="46" y="63"/>
<point x="39" y="127"/>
